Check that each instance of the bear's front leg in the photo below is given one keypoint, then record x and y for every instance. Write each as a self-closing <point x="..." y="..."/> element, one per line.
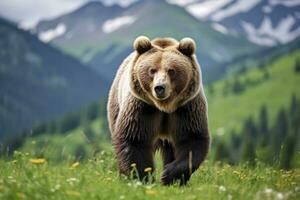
<point x="189" y="154"/>
<point x="133" y="138"/>
<point x="134" y="156"/>
<point x="191" y="141"/>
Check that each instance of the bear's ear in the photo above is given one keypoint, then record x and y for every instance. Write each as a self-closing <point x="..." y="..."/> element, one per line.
<point x="142" y="44"/>
<point x="187" y="46"/>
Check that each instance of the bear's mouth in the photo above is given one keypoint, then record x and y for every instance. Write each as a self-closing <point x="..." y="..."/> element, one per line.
<point x="161" y="98"/>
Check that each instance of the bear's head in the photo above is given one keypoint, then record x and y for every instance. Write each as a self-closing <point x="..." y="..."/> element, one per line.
<point x="165" y="73"/>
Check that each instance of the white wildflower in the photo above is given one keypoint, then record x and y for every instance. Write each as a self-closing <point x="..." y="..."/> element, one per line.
<point x="279" y="196"/>
<point x="222" y="188"/>
<point x="72" y="181"/>
<point x="268" y="191"/>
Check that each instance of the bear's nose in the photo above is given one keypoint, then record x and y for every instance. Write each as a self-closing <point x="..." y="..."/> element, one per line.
<point x="160" y="90"/>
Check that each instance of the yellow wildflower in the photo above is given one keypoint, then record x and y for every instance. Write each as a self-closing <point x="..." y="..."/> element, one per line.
<point x="73" y="193"/>
<point x="37" y="161"/>
<point x="133" y="165"/>
<point x="21" y="195"/>
<point x="97" y="173"/>
<point x="76" y="164"/>
<point x="150" y="192"/>
<point x="236" y="172"/>
<point x="148" y="169"/>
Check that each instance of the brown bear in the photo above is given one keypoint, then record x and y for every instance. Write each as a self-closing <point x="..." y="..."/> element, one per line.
<point x="157" y="101"/>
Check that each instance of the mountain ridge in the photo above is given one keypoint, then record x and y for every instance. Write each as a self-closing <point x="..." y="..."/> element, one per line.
<point x="104" y="51"/>
<point x="263" y="22"/>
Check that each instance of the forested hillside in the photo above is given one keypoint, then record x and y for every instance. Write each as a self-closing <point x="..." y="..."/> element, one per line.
<point x="38" y="82"/>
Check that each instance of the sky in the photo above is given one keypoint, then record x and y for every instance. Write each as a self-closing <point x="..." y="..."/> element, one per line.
<point x="28" y="12"/>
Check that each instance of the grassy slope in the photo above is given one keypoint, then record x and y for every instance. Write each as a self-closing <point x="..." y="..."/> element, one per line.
<point x="99" y="179"/>
<point x="62" y="146"/>
<point x="230" y="111"/>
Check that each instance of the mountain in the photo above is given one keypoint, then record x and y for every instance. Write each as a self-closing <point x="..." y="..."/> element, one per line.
<point x="263" y="22"/>
<point x="102" y="35"/>
<point x="38" y="82"/>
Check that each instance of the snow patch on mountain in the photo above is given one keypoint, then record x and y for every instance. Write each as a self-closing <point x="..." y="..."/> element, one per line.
<point x="268" y="35"/>
<point x="204" y="9"/>
<point x="116" y="23"/>
<point x="123" y="3"/>
<point x="267" y="9"/>
<point x="287" y="3"/>
<point x="181" y="2"/>
<point x="238" y="7"/>
<point x="220" y="28"/>
<point x="49" y="35"/>
<point x="255" y="37"/>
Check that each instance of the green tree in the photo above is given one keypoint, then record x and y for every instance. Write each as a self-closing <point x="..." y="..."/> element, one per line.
<point x="242" y="70"/>
<point x="294" y="113"/>
<point x="263" y="120"/>
<point x="293" y="105"/>
<point x="297" y="66"/>
<point x="248" y="153"/>
<point x="237" y="86"/>
<point x="249" y="129"/>
<point x="235" y="140"/>
<point x="222" y="152"/>
<point x="40" y="129"/>
<point x="281" y="125"/>
<point x="287" y="152"/>
<point x="235" y="144"/>
<point x="262" y="65"/>
<point x="279" y="133"/>
<point x="69" y="122"/>
<point x="92" y="111"/>
<point x="266" y="74"/>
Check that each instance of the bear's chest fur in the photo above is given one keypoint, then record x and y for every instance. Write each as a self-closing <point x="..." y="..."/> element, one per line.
<point x="164" y="125"/>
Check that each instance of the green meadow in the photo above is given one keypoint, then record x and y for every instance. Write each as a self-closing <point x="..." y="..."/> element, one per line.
<point x="97" y="178"/>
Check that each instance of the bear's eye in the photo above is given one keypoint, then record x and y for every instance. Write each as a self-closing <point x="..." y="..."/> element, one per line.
<point x="152" y="71"/>
<point x="171" y="72"/>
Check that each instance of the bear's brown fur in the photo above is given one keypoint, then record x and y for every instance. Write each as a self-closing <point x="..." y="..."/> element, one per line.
<point x="157" y="101"/>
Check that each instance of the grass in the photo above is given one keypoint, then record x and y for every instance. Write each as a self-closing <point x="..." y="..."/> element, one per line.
<point x="23" y="178"/>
